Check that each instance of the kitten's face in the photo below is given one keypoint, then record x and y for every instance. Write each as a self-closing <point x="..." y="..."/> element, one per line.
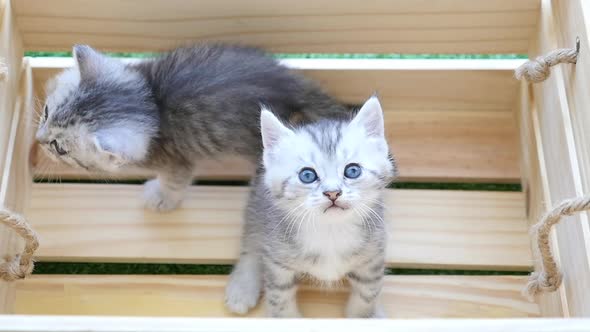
<point x="330" y="168"/>
<point x="98" y="115"/>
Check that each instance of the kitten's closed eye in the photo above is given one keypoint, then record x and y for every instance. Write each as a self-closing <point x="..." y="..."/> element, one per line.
<point x="57" y="148"/>
<point x="45" y="113"/>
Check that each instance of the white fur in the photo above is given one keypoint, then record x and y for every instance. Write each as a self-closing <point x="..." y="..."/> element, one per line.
<point x="123" y="142"/>
<point x="272" y="129"/>
<point x="244" y="287"/>
<point x="363" y="142"/>
<point x="331" y="239"/>
<point x="157" y="198"/>
<point x="333" y="231"/>
<point x="61" y="86"/>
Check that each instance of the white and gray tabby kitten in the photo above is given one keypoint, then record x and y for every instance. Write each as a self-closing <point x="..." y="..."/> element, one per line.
<point x="167" y="113"/>
<point x="316" y="210"/>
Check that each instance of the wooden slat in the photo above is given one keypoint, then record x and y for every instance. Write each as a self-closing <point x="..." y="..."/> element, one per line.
<point x="13" y="98"/>
<point x="467" y="85"/>
<point x="571" y="18"/>
<point x="202" y="296"/>
<point x="332" y="26"/>
<point x="535" y="183"/>
<point x="559" y="107"/>
<point x="450" y="229"/>
<point x="451" y="146"/>
<point x="31" y="323"/>
<point x="442" y="124"/>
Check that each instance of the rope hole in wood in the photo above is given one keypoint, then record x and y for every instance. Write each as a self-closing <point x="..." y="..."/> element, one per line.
<point x="539" y="69"/>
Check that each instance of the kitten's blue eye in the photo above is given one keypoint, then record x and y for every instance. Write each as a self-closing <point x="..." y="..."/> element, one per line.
<point x="352" y="171"/>
<point x="307" y="175"/>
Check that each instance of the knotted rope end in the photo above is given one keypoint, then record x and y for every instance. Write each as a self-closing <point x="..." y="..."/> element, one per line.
<point x="540" y="282"/>
<point x="14" y="268"/>
<point x="539" y="69"/>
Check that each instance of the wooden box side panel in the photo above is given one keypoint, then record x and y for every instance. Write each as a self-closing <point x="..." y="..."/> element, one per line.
<point x="558" y="170"/>
<point x="11" y="50"/>
<point x="328" y="26"/>
<point x="108" y="324"/>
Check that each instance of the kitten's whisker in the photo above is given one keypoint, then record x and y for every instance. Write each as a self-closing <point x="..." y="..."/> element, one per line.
<point x="295" y="222"/>
<point x="287" y="216"/>
<point x="355" y="210"/>
<point x="369" y="218"/>
<point x="373" y="213"/>
<point x="291" y="224"/>
<point x="305" y="216"/>
<point x="364" y="218"/>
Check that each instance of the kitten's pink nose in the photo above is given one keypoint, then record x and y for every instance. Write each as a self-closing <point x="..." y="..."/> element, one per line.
<point x="333" y="195"/>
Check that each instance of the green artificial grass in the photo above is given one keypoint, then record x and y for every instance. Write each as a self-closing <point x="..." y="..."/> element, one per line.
<point x="458" y="186"/>
<point x="514" y="187"/>
<point x="199" y="269"/>
<point x="128" y="268"/>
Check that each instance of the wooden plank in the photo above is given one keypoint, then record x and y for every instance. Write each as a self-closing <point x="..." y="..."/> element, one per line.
<point x="571" y="22"/>
<point x="26" y="323"/>
<point x="450" y="146"/>
<point x="466" y="85"/>
<point x="202" y="296"/>
<point x="555" y="107"/>
<point x="332" y="26"/>
<point x="535" y="183"/>
<point x="443" y="124"/>
<point x="10" y="88"/>
<point x="428" y="228"/>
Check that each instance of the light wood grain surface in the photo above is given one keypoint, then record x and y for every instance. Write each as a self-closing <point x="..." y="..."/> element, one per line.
<point x="535" y="184"/>
<point x="12" y="100"/>
<point x="442" y="124"/>
<point x="33" y="323"/>
<point x="428" y="228"/>
<point x="450" y="146"/>
<point x="202" y="296"/>
<point x="403" y="26"/>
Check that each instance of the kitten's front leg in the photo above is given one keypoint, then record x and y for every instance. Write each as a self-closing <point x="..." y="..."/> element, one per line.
<point x="167" y="191"/>
<point x="280" y="287"/>
<point x="366" y="283"/>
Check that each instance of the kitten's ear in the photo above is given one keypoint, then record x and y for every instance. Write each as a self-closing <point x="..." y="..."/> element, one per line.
<point x="92" y="63"/>
<point x="122" y="145"/>
<point x="370" y="118"/>
<point x="272" y="129"/>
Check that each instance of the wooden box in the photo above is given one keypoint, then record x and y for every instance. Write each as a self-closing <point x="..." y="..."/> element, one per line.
<point x="448" y="121"/>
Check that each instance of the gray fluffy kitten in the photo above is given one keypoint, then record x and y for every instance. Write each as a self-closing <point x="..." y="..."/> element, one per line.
<point x="316" y="210"/>
<point x="165" y="114"/>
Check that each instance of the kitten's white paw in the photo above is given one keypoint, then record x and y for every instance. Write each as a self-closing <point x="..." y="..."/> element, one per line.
<point x="241" y="293"/>
<point x="356" y="309"/>
<point x="159" y="200"/>
<point x="379" y="313"/>
<point x="291" y="312"/>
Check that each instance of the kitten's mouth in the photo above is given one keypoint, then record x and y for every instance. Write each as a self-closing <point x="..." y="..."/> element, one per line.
<point x="335" y="206"/>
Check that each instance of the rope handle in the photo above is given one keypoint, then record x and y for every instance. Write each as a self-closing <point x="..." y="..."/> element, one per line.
<point x="539" y="69"/>
<point x="21" y="265"/>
